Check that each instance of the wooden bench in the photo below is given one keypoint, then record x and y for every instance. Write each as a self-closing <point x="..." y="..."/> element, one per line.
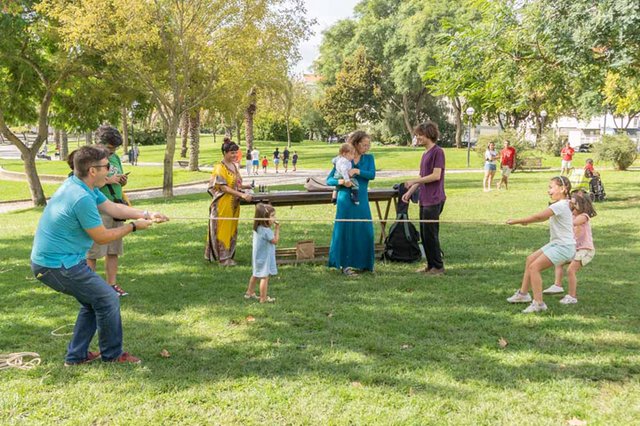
<point x="183" y="163"/>
<point x="531" y="163"/>
<point x="287" y="256"/>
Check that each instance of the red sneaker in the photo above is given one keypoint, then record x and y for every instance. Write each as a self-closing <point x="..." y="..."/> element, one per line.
<point x="119" y="290"/>
<point x="91" y="357"/>
<point x="127" y="357"/>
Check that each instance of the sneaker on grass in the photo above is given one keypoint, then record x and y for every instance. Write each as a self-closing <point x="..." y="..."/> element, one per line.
<point x="119" y="290"/>
<point x="519" y="297"/>
<point x="554" y="289"/>
<point x="535" y="307"/>
<point x="568" y="300"/>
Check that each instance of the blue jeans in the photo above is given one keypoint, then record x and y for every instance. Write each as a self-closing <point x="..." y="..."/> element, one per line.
<point x="100" y="309"/>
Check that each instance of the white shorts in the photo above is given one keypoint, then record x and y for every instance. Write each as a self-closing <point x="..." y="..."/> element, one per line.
<point x="584" y="256"/>
<point x="506" y="171"/>
<point x="566" y="164"/>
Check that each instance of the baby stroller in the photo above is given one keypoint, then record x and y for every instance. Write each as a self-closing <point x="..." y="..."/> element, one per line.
<point x="596" y="189"/>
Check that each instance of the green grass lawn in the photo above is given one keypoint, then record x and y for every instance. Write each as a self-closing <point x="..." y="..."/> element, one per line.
<point x="313" y="155"/>
<point x="318" y="155"/>
<point x="140" y="177"/>
<point x="392" y="347"/>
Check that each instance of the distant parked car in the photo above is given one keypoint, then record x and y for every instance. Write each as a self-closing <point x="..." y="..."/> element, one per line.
<point x="585" y="147"/>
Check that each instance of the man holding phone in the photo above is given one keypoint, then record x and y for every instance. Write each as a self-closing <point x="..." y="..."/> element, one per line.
<point x="110" y="138"/>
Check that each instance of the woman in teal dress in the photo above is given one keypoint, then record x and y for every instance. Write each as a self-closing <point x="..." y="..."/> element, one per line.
<point x="352" y="244"/>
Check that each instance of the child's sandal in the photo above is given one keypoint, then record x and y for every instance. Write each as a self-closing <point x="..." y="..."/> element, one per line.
<point x="251" y="296"/>
<point x="268" y="300"/>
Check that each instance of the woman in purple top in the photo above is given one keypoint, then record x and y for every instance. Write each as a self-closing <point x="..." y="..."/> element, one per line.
<point x="432" y="197"/>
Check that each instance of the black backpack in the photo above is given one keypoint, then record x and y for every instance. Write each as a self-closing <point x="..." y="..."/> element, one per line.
<point x="401" y="245"/>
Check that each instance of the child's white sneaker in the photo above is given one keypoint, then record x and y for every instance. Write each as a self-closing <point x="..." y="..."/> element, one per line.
<point x="554" y="289"/>
<point x="568" y="300"/>
<point x="519" y="297"/>
<point x="535" y="307"/>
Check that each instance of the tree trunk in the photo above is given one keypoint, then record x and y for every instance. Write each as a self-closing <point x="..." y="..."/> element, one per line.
<point x="539" y="129"/>
<point x="171" y="133"/>
<point x="238" y="130"/>
<point x="29" y="153"/>
<point x="288" y="133"/>
<point x="457" y="109"/>
<point x="185" y="134"/>
<point x="125" y="131"/>
<point x="88" y="137"/>
<point x="405" y="114"/>
<point x="37" y="193"/>
<point x="194" y="142"/>
<point x="56" y="139"/>
<point x="248" y="116"/>
<point x="64" y="145"/>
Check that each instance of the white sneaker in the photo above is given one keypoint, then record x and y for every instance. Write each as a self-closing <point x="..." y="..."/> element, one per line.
<point x="568" y="300"/>
<point x="519" y="298"/>
<point x="554" y="289"/>
<point x="535" y="307"/>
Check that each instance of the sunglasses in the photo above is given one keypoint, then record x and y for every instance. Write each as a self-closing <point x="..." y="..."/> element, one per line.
<point x="97" y="166"/>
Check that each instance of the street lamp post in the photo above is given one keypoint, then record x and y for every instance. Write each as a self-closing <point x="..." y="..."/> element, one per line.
<point x="469" y="112"/>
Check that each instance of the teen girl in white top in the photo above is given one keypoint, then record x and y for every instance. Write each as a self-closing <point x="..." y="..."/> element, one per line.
<point x="560" y="249"/>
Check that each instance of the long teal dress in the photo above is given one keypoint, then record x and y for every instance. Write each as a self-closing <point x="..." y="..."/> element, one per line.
<point x="352" y="242"/>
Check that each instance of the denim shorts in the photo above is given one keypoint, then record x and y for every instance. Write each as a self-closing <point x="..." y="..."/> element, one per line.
<point x="490" y="167"/>
<point x="559" y="254"/>
<point x="255" y="162"/>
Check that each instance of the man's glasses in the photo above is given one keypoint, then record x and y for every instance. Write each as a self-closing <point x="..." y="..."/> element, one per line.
<point x="97" y="166"/>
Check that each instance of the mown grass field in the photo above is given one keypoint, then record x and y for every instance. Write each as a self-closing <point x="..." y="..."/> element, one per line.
<point x="313" y="155"/>
<point x="392" y="347"/>
<point x="318" y="155"/>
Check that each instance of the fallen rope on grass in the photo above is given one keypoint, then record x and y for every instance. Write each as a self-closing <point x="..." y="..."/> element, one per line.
<point x="55" y="332"/>
<point x="19" y="360"/>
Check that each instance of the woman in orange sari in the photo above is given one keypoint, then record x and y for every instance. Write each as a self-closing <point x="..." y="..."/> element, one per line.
<point x="226" y="188"/>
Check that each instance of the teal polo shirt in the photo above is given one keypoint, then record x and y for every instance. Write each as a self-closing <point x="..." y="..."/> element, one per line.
<point x="61" y="239"/>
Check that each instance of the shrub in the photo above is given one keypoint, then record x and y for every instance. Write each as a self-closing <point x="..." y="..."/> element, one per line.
<point x="551" y="144"/>
<point x="149" y="137"/>
<point x="618" y="149"/>
<point x="523" y="148"/>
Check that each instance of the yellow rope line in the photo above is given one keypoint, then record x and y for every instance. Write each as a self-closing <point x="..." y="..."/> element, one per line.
<point x="250" y="219"/>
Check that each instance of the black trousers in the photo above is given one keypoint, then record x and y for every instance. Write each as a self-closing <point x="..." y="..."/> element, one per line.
<point x="429" y="233"/>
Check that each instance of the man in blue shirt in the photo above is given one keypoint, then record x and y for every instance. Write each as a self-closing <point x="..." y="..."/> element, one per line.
<point x="69" y="225"/>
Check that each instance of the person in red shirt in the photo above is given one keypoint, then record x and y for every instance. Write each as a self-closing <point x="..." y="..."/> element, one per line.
<point x="567" y="155"/>
<point x="589" y="171"/>
<point x="507" y="164"/>
<point x="265" y="163"/>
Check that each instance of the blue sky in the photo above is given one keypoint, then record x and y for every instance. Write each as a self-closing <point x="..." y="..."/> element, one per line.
<point x="326" y="12"/>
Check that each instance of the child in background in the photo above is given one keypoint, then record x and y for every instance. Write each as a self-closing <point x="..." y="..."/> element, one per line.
<point x="583" y="211"/>
<point x="294" y="160"/>
<point x="343" y="165"/>
<point x="265" y="163"/>
<point x="560" y="249"/>
<point x="264" y="252"/>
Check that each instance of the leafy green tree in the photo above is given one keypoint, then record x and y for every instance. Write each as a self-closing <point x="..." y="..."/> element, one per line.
<point x="34" y="66"/>
<point x="356" y="97"/>
<point x="622" y="94"/>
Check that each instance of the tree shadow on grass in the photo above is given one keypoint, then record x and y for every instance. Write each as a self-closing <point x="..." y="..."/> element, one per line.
<point x="395" y="328"/>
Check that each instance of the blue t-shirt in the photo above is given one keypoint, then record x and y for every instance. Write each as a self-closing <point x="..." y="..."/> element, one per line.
<point x="61" y="239"/>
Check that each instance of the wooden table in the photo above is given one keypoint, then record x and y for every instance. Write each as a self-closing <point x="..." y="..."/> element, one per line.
<point x="303" y="198"/>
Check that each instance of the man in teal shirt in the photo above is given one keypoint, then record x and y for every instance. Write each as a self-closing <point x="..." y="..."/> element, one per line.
<point x="69" y="225"/>
<point x="110" y="138"/>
